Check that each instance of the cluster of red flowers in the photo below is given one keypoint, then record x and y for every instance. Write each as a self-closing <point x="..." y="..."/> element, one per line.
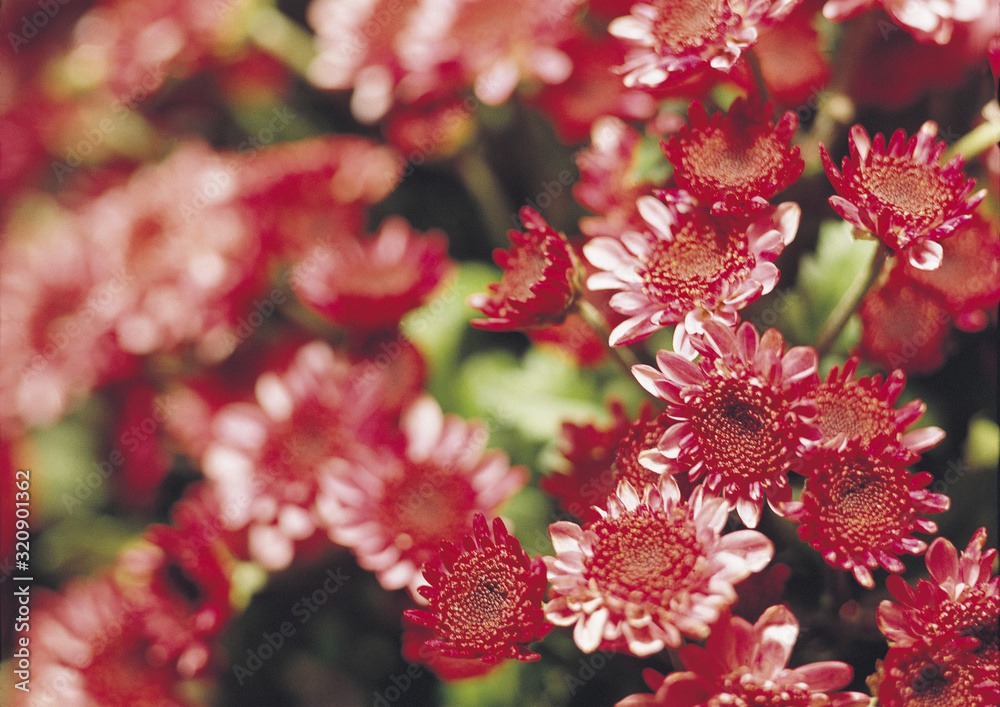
<point x="262" y="297"/>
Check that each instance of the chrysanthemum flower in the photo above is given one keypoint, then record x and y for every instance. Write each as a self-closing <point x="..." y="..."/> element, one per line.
<point x="968" y="281"/>
<point x="541" y="279"/>
<point x="650" y="571"/>
<point x="738" y="412"/>
<point x="394" y="509"/>
<point x="901" y="193"/>
<point x="687" y="268"/>
<point x="745" y="664"/>
<point x="960" y="599"/>
<point x="674" y="37"/>
<point x="590" y="451"/>
<point x="369" y="285"/>
<point x="135" y="635"/>
<point x="265" y="457"/>
<point x="735" y="162"/>
<point x="904" y="326"/>
<point x="484" y="597"/>
<point x="862" y="409"/>
<point x="936" y="675"/>
<point x="860" y="507"/>
<point x="393" y="53"/>
<point x="926" y="20"/>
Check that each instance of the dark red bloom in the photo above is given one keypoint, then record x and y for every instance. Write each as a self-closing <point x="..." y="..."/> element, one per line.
<point x="746" y="664"/>
<point x="862" y="409"/>
<point x="904" y="326"/>
<point x="960" y="599"/>
<point x="968" y="281"/>
<point x="860" y="507"/>
<point x="368" y="285"/>
<point x="484" y="597"/>
<point x="929" y="675"/>
<point x="735" y="162"/>
<point x="901" y="193"/>
<point x="541" y="279"/>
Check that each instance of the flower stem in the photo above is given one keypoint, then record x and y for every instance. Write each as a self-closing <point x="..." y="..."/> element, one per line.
<point x="271" y="30"/>
<point x="485" y="188"/>
<point x="849" y="301"/>
<point x="753" y="61"/>
<point x="974" y="142"/>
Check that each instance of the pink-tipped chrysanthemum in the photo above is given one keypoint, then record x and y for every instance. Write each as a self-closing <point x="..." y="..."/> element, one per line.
<point x="860" y="507"/>
<point x="926" y="20"/>
<point x="862" y="408"/>
<point x="541" y="279"/>
<point x="672" y="38"/>
<point x="369" y="285"/>
<point x="735" y="162"/>
<point x="688" y="268"/>
<point x="936" y="675"/>
<point x="265" y="458"/>
<point x="395" y="509"/>
<point x="960" y="599"/>
<point x="901" y="193"/>
<point x="738" y="415"/>
<point x="744" y="664"/>
<point x="650" y="571"/>
<point x="484" y="597"/>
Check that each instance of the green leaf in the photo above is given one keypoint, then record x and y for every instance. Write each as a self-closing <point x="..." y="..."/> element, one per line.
<point x="824" y="276"/>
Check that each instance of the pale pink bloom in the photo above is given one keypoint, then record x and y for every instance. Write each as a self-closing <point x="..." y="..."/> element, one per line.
<point x="926" y="20"/>
<point x="672" y="38"/>
<point x="394" y="509"/>
<point x="740" y="415"/>
<point x="394" y="52"/>
<point x="650" y="571"/>
<point x="688" y="268"/>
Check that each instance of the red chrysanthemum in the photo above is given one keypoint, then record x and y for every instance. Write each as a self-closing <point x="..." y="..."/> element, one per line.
<point x="745" y="664"/>
<point x="862" y="409"/>
<point x="393" y="509"/>
<point x="738" y="415"/>
<point x="672" y="38"/>
<point x="936" y="675"/>
<point x="968" y="281"/>
<point x="688" y="268"/>
<point x="601" y="458"/>
<point x="901" y="193"/>
<point x="650" y="571"/>
<point x="734" y="163"/>
<point x="369" y="285"/>
<point x="590" y="451"/>
<point x="960" y="600"/>
<point x="541" y="279"/>
<point x="484" y="597"/>
<point x="860" y="507"/>
<point x="904" y="326"/>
